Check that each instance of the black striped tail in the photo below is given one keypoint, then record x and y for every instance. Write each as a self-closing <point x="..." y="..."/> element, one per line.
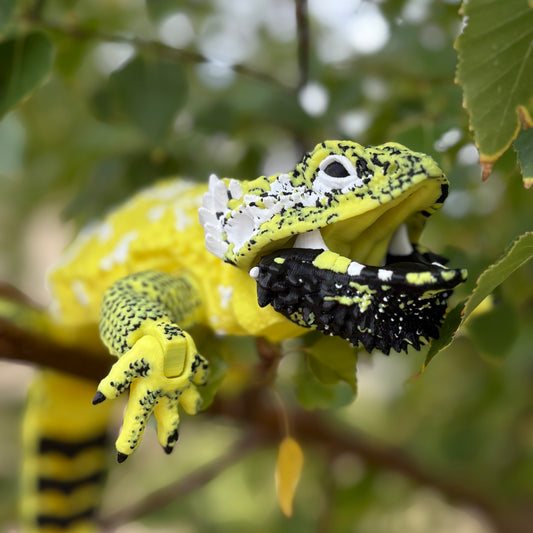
<point x="64" y="456"/>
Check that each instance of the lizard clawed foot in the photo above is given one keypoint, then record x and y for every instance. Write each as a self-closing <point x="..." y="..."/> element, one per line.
<point x="144" y="371"/>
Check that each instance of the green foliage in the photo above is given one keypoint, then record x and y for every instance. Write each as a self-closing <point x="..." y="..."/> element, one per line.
<point x="25" y="61"/>
<point x="332" y="360"/>
<point x="95" y="103"/>
<point x="524" y="150"/>
<point x="7" y="7"/>
<point x="496" y="72"/>
<point x="494" y="332"/>
<point x="141" y="88"/>
<point x="518" y="254"/>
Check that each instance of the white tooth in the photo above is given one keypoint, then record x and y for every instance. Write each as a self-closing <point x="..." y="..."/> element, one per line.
<point x="311" y="239"/>
<point x="354" y="269"/>
<point x="400" y="244"/>
<point x="254" y="272"/>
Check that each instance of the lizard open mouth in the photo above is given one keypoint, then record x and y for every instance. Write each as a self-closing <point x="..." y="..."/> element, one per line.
<point x="333" y="244"/>
<point x="385" y="307"/>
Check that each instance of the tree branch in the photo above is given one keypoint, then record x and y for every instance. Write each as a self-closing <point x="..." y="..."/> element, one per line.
<point x="303" y="37"/>
<point x="184" y="486"/>
<point x="157" y="48"/>
<point x="19" y="344"/>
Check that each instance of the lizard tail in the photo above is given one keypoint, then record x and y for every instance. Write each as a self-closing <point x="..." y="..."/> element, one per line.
<point x="64" y="438"/>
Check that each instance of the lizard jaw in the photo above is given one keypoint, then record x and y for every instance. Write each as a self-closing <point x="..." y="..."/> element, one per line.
<point x="313" y="240"/>
<point x="393" y="306"/>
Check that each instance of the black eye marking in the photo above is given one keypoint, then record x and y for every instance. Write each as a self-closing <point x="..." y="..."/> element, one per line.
<point x="336" y="170"/>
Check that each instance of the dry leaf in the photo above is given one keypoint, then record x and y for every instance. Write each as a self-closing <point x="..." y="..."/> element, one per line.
<point x="288" y="470"/>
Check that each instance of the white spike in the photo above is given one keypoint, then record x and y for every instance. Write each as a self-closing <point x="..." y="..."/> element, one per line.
<point x="213" y="230"/>
<point x="220" y="193"/>
<point x="208" y="201"/>
<point x="206" y="216"/>
<point x="235" y="189"/>
<point x="254" y="272"/>
<point x="215" y="246"/>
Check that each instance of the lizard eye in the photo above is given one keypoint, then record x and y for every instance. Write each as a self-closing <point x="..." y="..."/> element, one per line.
<point x="336" y="172"/>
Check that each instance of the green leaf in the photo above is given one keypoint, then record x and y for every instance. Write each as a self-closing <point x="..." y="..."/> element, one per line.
<point x="517" y="255"/>
<point x="495" y="331"/>
<point x="496" y="72"/>
<point x="7" y="7"/>
<point x="315" y="395"/>
<point x="317" y="386"/>
<point x="150" y="92"/>
<point x="25" y="61"/>
<point x="448" y="330"/>
<point x="333" y="359"/>
<point x="524" y="151"/>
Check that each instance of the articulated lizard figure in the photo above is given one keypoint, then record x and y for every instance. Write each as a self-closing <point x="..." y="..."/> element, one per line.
<point x="332" y="246"/>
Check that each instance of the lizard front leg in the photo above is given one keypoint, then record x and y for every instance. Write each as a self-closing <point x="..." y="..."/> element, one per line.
<point x="158" y="360"/>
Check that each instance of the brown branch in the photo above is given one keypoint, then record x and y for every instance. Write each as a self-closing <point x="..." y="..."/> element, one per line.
<point x="303" y="38"/>
<point x="9" y="292"/>
<point x="19" y="344"/>
<point x="189" y="483"/>
<point x="179" y="55"/>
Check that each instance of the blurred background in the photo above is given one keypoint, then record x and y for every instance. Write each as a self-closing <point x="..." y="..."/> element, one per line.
<point x="131" y="91"/>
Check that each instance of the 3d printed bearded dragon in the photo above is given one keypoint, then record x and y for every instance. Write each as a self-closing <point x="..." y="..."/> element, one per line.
<point x="331" y="246"/>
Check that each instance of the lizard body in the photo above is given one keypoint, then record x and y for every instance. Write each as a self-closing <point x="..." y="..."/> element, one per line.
<point x="331" y="245"/>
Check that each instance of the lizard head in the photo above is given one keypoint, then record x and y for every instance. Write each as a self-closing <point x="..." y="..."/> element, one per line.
<point x="333" y="245"/>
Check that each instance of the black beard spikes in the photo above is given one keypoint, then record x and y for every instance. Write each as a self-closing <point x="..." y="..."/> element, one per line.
<point x="363" y="309"/>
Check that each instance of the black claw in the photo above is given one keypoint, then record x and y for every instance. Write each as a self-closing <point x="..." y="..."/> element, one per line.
<point x="171" y="442"/>
<point x="168" y="449"/>
<point x="121" y="457"/>
<point x="98" y="398"/>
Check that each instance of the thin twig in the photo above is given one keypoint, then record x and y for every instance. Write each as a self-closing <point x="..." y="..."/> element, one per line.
<point x="178" y="55"/>
<point x="189" y="483"/>
<point x="302" y="29"/>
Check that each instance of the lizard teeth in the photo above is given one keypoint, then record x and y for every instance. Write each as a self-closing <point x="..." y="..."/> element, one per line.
<point x="311" y="239"/>
<point x="400" y="243"/>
